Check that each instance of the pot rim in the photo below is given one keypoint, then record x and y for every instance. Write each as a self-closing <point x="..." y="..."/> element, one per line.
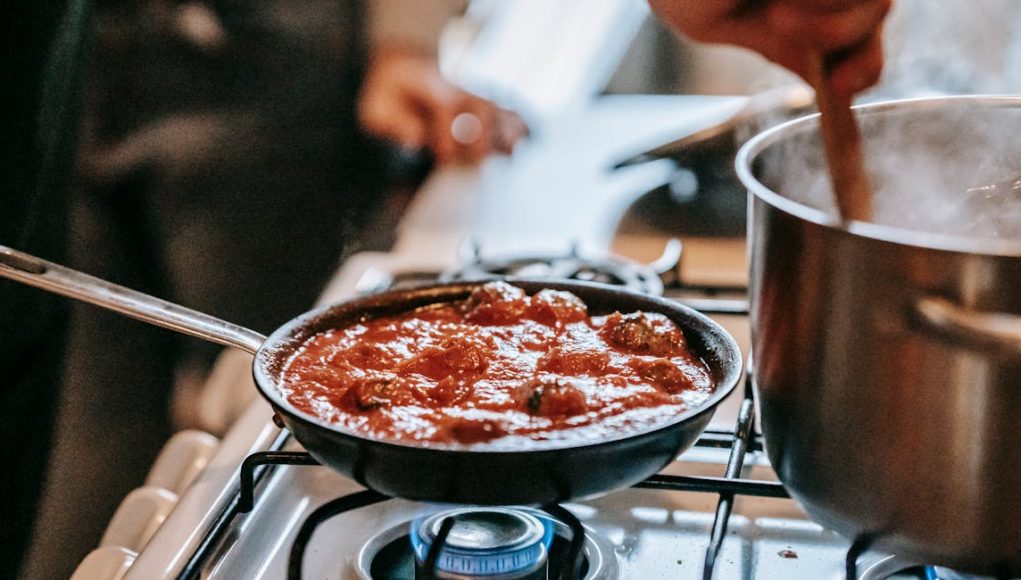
<point x="935" y="241"/>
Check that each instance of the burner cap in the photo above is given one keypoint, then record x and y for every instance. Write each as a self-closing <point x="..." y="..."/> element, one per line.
<point x="390" y="554"/>
<point x="611" y="270"/>
<point x="485" y="542"/>
<point x="488" y="529"/>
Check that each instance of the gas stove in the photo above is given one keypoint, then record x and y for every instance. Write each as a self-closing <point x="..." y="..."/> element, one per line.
<point x="718" y="512"/>
<point x="252" y="504"/>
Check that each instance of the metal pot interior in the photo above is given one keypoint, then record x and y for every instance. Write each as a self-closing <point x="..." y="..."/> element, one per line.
<point x="945" y="172"/>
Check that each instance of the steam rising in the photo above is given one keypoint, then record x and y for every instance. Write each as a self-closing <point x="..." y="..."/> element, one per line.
<point x="951" y="47"/>
<point x="952" y="169"/>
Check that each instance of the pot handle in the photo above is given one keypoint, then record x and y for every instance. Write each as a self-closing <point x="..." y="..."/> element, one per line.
<point x="51" y="277"/>
<point x="968" y="325"/>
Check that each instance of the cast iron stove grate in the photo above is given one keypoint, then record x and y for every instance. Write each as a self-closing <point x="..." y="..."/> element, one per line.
<point x="739" y="441"/>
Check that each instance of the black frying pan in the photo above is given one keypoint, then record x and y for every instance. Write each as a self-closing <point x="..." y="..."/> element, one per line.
<point x="453" y="473"/>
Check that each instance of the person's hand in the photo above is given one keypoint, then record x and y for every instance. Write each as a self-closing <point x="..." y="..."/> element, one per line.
<point x="405" y="99"/>
<point x="847" y="32"/>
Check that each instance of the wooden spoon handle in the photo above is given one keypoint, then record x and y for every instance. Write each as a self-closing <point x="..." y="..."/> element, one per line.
<point x="842" y="142"/>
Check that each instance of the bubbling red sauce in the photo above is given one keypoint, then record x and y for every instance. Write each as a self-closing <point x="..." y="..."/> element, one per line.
<point x="499" y="367"/>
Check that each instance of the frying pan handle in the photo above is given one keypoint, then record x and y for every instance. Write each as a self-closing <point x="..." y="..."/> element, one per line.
<point x="51" y="277"/>
<point x="964" y="324"/>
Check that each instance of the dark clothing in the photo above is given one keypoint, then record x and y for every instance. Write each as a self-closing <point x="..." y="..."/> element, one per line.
<point x="43" y="66"/>
<point x="225" y="176"/>
<point x="35" y="174"/>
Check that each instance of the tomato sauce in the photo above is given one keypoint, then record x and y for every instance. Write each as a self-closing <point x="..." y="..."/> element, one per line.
<point x="499" y="367"/>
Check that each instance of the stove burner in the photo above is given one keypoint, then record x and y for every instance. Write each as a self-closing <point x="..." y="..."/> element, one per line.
<point x="483" y="543"/>
<point x="391" y="554"/>
<point x="613" y="270"/>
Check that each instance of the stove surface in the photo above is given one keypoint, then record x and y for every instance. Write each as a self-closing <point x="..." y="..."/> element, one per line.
<point x="651" y="533"/>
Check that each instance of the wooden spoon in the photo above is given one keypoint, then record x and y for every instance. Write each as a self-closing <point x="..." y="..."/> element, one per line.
<point x="842" y="142"/>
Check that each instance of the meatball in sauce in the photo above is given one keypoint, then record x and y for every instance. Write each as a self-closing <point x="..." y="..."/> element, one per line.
<point x="499" y="367"/>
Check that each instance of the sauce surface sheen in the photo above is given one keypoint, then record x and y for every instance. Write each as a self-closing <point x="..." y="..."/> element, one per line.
<point x="499" y="367"/>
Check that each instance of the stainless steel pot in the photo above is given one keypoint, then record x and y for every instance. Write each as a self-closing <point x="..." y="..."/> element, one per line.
<point x="887" y="356"/>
